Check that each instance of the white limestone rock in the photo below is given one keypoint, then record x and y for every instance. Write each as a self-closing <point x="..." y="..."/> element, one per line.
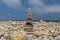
<point x="57" y="38"/>
<point x="36" y="33"/>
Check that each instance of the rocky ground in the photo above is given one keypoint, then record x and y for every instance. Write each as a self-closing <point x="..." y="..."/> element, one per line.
<point x="42" y="31"/>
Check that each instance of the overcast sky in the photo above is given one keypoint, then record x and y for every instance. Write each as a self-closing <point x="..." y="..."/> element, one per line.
<point x="41" y="9"/>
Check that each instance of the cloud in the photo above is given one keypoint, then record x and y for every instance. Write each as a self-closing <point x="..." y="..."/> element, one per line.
<point x="52" y="8"/>
<point x="35" y="2"/>
<point x="38" y="6"/>
<point x="12" y="3"/>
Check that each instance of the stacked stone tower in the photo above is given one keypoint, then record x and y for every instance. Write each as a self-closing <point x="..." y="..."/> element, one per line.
<point x="29" y="23"/>
<point x="29" y="19"/>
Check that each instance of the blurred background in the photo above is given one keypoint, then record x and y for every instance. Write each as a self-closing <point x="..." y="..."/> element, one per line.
<point x="40" y="9"/>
